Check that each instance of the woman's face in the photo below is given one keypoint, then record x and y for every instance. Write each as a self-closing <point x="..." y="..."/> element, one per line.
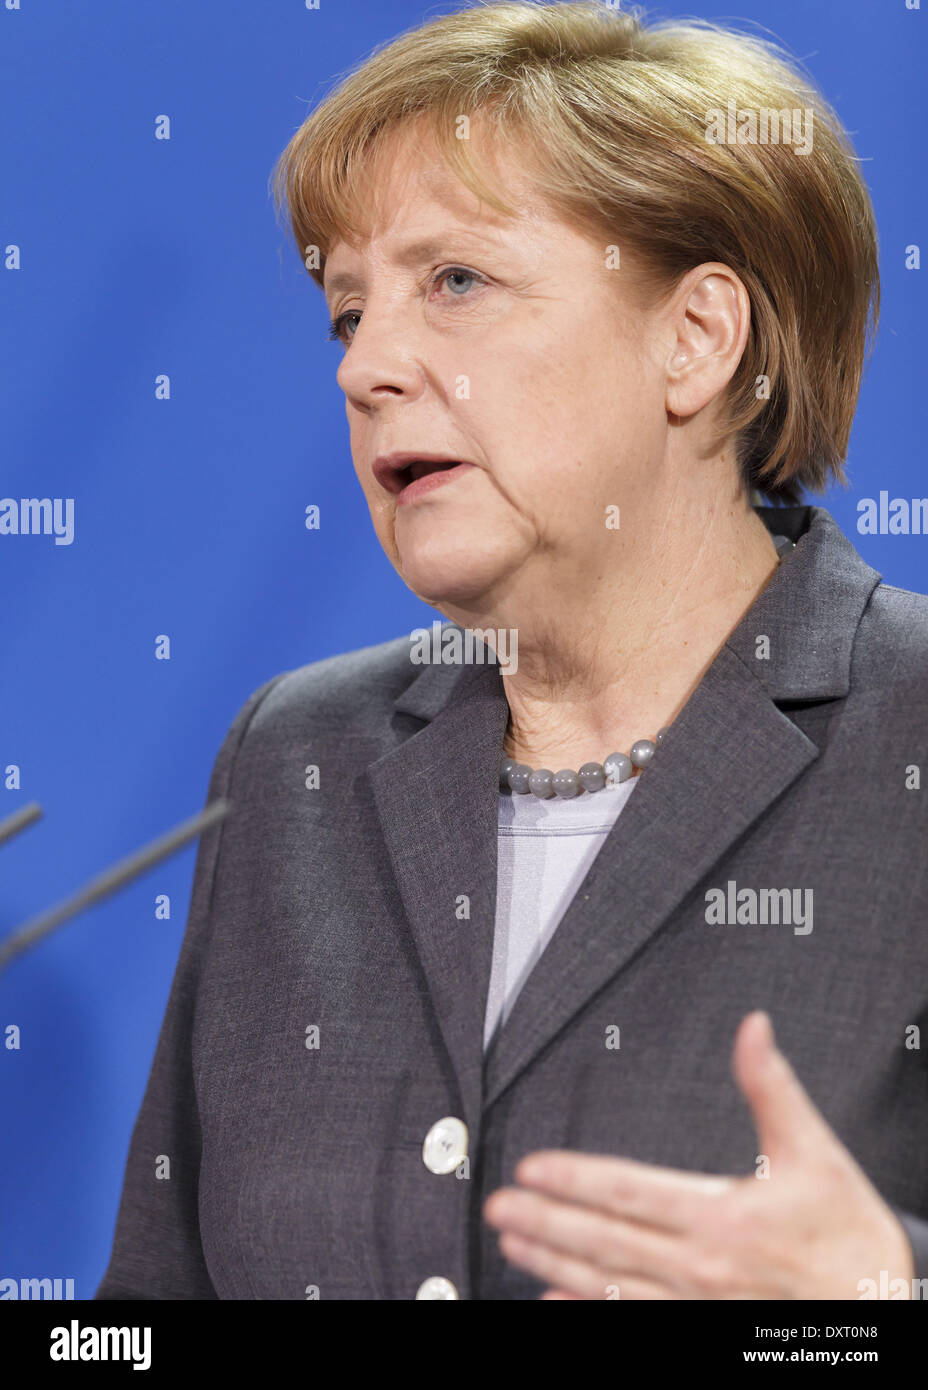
<point x="508" y="344"/>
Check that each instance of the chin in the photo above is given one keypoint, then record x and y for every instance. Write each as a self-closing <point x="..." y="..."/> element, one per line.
<point x="449" y="573"/>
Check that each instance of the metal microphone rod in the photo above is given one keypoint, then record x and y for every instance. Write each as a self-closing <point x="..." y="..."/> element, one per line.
<point x="111" y="879"/>
<point x="19" y="820"/>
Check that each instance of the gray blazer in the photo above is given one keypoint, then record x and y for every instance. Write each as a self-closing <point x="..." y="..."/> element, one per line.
<point x="296" y="1165"/>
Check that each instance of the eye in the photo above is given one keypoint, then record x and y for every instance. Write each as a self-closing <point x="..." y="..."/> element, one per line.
<point x="337" y="326"/>
<point x="457" y="270"/>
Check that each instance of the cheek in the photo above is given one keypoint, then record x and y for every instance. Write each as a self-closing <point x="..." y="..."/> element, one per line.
<point x="561" y="390"/>
<point x="519" y="407"/>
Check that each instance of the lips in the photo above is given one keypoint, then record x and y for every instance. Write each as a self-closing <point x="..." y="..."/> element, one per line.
<point x="397" y="472"/>
<point x="429" y="482"/>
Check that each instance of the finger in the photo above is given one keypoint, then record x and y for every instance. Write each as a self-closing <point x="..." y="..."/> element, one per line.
<point x="621" y="1247"/>
<point x="785" y="1118"/>
<point x="575" y="1277"/>
<point x="666" y="1198"/>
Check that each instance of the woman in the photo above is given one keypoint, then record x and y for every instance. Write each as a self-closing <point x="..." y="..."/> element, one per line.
<point x="454" y="1012"/>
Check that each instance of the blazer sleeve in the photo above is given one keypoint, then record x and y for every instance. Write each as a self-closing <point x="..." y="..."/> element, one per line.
<point x="917" y="1231"/>
<point x="156" y="1251"/>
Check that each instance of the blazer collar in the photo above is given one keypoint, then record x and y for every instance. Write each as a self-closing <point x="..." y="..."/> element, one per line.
<point x="729" y="753"/>
<point x="813" y="605"/>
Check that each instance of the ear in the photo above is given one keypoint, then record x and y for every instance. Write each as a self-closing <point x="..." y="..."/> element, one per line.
<point x="710" y="320"/>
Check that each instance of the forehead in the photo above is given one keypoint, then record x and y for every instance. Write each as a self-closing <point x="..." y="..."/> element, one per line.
<point x="412" y="199"/>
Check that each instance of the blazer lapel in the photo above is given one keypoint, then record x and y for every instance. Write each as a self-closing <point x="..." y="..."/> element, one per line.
<point x="436" y="795"/>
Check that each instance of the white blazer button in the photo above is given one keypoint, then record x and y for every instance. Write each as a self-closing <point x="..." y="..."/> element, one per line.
<point x="445" y="1146"/>
<point x="436" y="1287"/>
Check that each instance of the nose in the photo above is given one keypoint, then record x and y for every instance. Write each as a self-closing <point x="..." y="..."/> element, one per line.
<point x="383" y="358"/>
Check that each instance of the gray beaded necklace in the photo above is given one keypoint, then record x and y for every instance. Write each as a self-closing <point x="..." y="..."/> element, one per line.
<point x="592" y="777"/>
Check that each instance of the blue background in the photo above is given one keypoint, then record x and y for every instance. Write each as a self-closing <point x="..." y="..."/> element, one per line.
<point x="140" y="257"/>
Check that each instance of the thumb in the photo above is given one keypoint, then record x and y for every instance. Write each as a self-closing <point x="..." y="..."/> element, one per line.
<point x="785" y="1119"/>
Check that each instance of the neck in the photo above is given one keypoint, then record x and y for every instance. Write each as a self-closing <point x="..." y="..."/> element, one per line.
<point x="613" y="655"/>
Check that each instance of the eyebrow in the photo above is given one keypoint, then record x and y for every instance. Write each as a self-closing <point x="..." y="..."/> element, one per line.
<point x="414" y="253"/>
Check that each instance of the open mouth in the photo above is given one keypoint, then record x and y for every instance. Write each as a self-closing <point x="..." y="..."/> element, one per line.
<point x="423" y="476"/>
<point x="420" y="468"/>
<point x="405" y="475"/>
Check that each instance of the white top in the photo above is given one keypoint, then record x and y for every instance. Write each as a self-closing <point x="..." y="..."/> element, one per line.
<point x="544" y="850"/>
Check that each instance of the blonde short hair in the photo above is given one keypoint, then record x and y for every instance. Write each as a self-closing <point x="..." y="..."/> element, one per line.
<point x="614" y="117"/>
